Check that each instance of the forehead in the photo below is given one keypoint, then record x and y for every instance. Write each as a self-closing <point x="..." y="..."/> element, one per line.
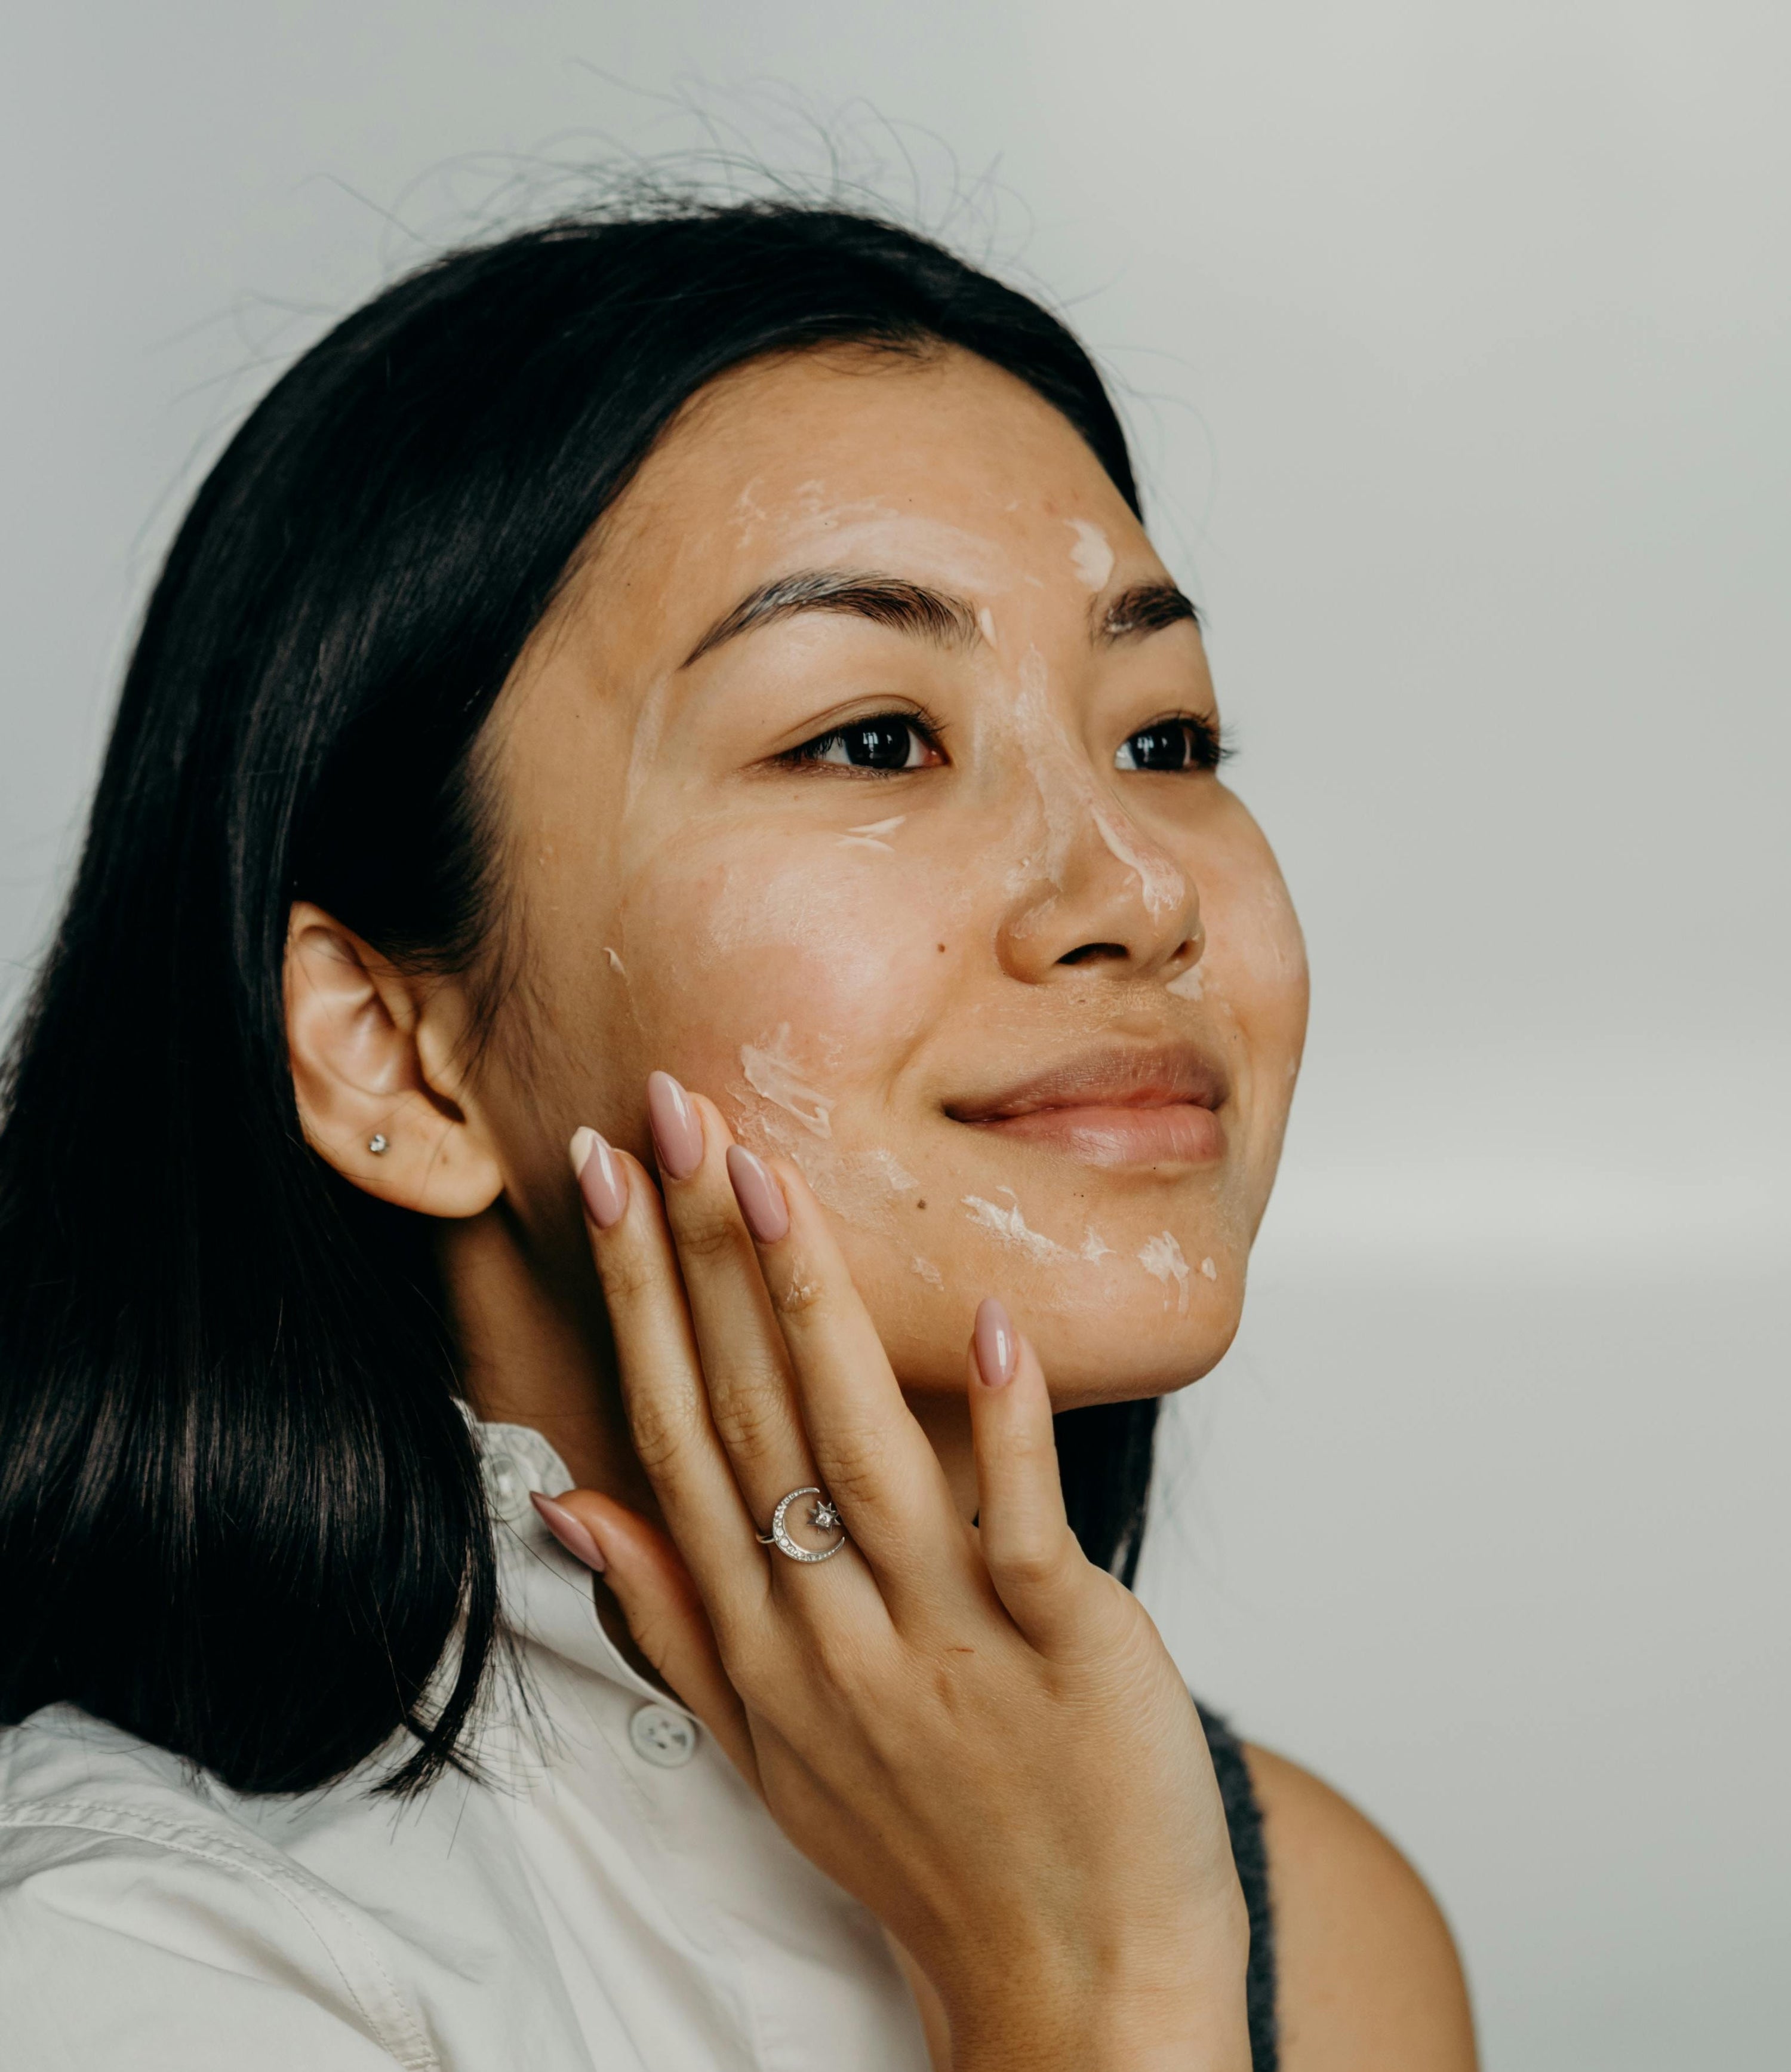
<point x="942" y="464"/>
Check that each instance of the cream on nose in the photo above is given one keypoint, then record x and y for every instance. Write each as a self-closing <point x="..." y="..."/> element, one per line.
<point x="1071" y="803"/>
<point x="1161" y="886"/>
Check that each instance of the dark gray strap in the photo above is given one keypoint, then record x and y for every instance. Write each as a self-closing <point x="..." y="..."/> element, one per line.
<point x="1244" y="1818"/>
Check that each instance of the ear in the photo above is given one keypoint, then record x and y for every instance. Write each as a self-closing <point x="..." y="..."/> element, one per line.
<point x="377" y="1065"/>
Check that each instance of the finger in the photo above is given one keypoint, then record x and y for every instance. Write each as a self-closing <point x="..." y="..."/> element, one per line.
<point x="648" y="1579"/>
<point x="662" y="1381"/>
<point x="874" y="1459"/>
<point x="1040" y="1572"/>
<point x="745" y="1368"/>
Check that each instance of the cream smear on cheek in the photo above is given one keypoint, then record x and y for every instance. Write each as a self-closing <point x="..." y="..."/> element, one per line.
<point x="775" y="1076"/>
<point x="871" y="835"/>
<point x="782" y="1109"/>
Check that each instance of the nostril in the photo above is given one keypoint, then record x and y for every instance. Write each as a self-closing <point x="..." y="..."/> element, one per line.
<point x="1086" y="952"/>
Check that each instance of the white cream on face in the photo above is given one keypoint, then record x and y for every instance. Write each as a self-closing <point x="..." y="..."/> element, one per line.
<point x="871" y="835"/>
<point x="1069" y="801"/>
<point x="1163" y="886"/>
<point x="894" y="1175"/>
<point x="615" y="962"/>
<point x="1010" y="1226"/>
<point x="1162" y="1258"/>
<point x="1091" y="556"/>
<point x="775" y="1076"/>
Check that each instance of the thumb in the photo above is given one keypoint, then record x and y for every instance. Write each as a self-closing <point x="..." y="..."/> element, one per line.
<point x="646" y="1576"/>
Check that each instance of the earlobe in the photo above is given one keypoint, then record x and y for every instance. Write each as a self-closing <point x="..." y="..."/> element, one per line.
<point x="358" y="1032"/>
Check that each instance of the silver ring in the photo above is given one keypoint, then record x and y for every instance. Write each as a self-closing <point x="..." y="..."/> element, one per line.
<point x="822" y="1517"/>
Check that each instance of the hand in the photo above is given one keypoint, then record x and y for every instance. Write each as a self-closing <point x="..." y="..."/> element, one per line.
<point x="973" y="1731"/>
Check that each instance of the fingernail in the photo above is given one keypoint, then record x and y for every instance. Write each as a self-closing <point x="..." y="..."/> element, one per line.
<point x="760" y="1197"/>
<point x="601" y="1179"/>
<point x="677" y="1127"/>
<point x="573" y="1536"/>
<point x="996" y="1346"/>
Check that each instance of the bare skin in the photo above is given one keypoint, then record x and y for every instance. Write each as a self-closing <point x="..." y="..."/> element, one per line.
<point x="860" y="777"/>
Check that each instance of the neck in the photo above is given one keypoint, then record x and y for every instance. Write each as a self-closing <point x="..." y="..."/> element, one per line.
<point x="536" y="1350"/>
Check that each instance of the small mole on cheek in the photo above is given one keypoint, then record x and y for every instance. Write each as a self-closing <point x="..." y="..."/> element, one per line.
<point x="920" y="1205"/>
<point x="942" y="949"/>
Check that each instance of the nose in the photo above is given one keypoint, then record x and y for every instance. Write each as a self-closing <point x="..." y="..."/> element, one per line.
<point x="1093" y="887"/>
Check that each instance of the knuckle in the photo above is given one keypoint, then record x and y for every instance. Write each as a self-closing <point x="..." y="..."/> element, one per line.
<point x="705" y="1233"/>
<point x="752" y="1417"/>
<point x="663" y="1428"/>
<point x="801" y="1295"/>
<point x="627" y="1275"/>
<point x="856" y="1465"/>
<point x="1036" y="1564"/>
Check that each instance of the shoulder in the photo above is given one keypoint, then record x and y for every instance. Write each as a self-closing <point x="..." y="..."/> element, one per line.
<point x="1367" y="1971"/>
<point x="140" y="1923"/>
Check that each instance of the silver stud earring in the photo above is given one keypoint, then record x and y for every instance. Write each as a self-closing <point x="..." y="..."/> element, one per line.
<point x="377" y="1144"/>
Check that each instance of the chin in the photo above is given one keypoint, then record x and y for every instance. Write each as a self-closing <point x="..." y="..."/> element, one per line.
<point x="1087" y="1359"/>
<point x="1101" y="1336"/>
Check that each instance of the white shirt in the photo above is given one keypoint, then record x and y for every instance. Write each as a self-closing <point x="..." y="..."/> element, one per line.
<point x="616" y="1899"/>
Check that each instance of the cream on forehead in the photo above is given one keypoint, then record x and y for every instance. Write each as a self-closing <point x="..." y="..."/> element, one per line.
<point x="1091" y="556"/>
<point x="868" y="534"/>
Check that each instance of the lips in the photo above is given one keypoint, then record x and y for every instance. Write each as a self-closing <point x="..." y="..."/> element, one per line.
<point x="1113" y="1107"/>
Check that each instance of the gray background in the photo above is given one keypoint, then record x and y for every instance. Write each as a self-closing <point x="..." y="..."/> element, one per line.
<point x="1454" y="338"/>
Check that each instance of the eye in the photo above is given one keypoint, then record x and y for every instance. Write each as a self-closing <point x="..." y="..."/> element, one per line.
<point x="1186" y="742"/>
<point x="884" y="741"/>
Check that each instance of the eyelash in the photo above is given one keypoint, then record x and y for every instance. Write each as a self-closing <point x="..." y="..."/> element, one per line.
<point x="814" y="753"/>
<point x="1202" y="744"/>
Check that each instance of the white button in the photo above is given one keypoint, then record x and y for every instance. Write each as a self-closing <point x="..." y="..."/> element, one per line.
<point x="506" y="1486"/>
<point x="664" y="1738"/>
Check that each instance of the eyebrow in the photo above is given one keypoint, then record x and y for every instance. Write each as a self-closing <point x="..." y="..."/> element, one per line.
<point x="928" y="615"/>
<point x="905" y="607"/>
<point x="1147" y="607"/>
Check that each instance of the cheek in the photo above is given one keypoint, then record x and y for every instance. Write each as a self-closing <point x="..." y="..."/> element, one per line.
<point x="1254" y="983"/>
<point x="818" y="955"/>
<point x="1253" y="968"/>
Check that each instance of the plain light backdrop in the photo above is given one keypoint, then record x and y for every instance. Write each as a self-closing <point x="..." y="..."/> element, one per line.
<point x="1454" y="340"/>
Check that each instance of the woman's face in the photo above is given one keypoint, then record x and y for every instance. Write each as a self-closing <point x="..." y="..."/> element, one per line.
<point x="861" y="780"/>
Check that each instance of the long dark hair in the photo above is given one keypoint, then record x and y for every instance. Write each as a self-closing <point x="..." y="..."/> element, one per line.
<point x="241" y="1513"/>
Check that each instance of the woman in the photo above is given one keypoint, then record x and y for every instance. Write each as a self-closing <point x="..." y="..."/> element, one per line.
<point x="696" y="686"/>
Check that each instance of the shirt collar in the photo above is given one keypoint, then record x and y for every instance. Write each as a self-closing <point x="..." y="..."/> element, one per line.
<point x="547" y="1596"/>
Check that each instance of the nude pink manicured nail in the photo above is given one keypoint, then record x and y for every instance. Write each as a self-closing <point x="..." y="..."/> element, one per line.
<point x="571" y="1534"/>
<point x="997" y="1349"/>
<point x="760" y="1197"/>
<point x="677" y="1127"/>
<point x="601" y="1179"/>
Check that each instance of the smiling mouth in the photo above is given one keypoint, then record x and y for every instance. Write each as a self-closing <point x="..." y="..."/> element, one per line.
<point x="1113" y="1108"/>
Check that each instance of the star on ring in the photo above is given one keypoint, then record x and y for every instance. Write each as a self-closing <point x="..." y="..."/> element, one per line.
<point x="823" y="1515"/>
